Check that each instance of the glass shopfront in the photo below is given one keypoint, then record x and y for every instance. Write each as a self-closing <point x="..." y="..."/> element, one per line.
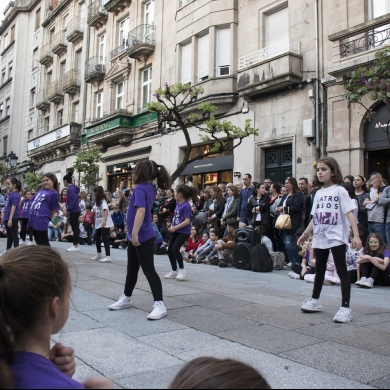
<point x="120" y="173"/>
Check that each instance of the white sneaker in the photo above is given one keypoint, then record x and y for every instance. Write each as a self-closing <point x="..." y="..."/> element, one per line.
<point x="369" y="283"/>
<point x="293" y="275"/>
<point x="289" y="265"/>
<point x="21" y="242"/>
<point x="29" y="243"/>
<point x="172" y="275"/>
<point x="98" y="257"/>
<point x="73" y="249"/>
<point x="159" y="311"/>
<point x="311" y="306"/>
<point x="107" y="259"/>
<point x="360" y="282"/>
<point x="344" y="316"/>
<point x="123" y="303"/>
<point x="182" y="274"/>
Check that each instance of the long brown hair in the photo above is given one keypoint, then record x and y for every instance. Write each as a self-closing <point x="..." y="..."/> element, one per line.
<point x="188" y="192"/>
<point x="148" y="170"/>
<point x="337" y="176"/>
<point x="211" y="373"/>
<point x="14" y="181"/>
<point x="99" y="195"/>
<point x="54" y="179"/>
<point x="294" y="183"/>
<point x="382" y="245"/>
<point x="217" y="193"/>
<point x="234" y="189"/>
<point x="26" y="287"/>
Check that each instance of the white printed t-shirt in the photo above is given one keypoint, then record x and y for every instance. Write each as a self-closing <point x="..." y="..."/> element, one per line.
<point x="330" y="223"/>
<point x="99" y="215"/>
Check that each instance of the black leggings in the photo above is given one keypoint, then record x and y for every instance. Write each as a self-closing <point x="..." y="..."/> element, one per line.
<point x="175" y="244"/>
<point x="25" y="230"/>
<point x="142" y="256"/>
<point x="341" y="266"/>
<point x="41" y="237"/>
<point x="12" y="234"/>
<point x="74" y="222"/>
<point x="102" y="235"/>
<point x="381" y="278"/>
<point x="298" y="270"/>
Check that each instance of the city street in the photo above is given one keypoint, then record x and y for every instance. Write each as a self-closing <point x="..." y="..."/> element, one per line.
<point x="224" y="313"/>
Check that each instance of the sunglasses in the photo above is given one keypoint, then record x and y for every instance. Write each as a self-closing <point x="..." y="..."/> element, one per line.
<point x="373" y="243"/>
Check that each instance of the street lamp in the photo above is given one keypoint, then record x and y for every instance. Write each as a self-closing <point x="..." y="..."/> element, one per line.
<point x="11" y="162"/>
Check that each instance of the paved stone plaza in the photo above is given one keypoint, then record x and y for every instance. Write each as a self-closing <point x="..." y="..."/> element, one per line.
<point x="224" y="313"/>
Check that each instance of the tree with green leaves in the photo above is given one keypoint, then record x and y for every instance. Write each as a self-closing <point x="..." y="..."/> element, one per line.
<point x="3" y="172"/>
<point x="33" y="180"/>
<point x="173" y="106"/>
<point x="87" y="166"/>
<point x="371" y="81"/>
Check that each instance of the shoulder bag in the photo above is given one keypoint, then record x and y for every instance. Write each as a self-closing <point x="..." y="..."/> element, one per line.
<point x="284" y="222"/>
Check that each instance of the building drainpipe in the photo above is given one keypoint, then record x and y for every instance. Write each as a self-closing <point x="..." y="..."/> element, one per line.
<point x="317" y="88"/>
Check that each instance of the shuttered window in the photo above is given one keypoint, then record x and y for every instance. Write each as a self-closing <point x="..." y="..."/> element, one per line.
<point x="203" y="57"/>
<point x="223" y="51"/>
<point x="277" y="27"/>
<point x="186" y="63"/>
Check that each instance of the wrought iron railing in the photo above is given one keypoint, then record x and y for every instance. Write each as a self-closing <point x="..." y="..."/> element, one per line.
<point x="367" y="41"/>
<point x="119" y="50"/>
<point x="71" y="78"/>
<point x="143" y="34"/>
<point x="269" y="52"/>
<point x="59" y="39"/>
<point x="75" y="25"/>
<point x="95" y="66"/>
<point x="96" y="9"/>
<point x="46" y="51"/>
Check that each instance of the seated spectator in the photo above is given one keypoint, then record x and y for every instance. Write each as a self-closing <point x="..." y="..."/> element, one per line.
<point x="352" y="255"/>
<point x="225" y="246"/>
<point x="213" y="258"/>
<point x="67" y="234"/>
<point x="85" y="237"/>
<point x="55" y="227"/>
<point x="82" y="201"/>
<point x="265" y="240"/>
<point x="308" y="265"/>
<point x="118" y="218"/>
<point x="192" y="244"/>
<point x="116" y="238"/>
<point x="204" y="238"/>
<point x="331" y="275"/>
<point x="211" y="373"/>
<point x="165" y="234"/>
<point x="373" y="264"/>
<point x="125" y="242"/>
<point x="200" y="256"/>
<point x="89" y="216"/>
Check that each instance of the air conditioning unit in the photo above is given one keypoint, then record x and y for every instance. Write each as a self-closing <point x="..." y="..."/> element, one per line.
<point x="100" y="68"/>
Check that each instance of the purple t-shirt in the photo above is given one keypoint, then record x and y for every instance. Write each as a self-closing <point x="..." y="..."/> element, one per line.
<point x="32" y="371"/>
<point x="26" y="204"/>
<point x="143" y="196"/>
<point x="13" y="199"/>
<point x="182" y="212"/>
<point x="43" y="204"/>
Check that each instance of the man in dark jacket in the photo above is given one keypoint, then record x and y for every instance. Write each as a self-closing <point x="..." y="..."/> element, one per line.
<point x="304" y="188"/>
<point x="245" y="196"/>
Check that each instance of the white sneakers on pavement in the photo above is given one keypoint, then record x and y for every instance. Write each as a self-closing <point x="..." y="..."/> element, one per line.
<point x="311" y="306"/>
<point x="29" y="243"/>
<point x="73" y="249"/>
<point x="107" y="259"/>
<point x="159" y="311"/>
<point x="368" y="283"/>
<point x="293" y="275"/>
<point x="360" y="282"/>
<point x="344" y="316"/>
<point x="182" y="274"/>
<point x="172" y="275"/>
<point x="123" y="303"/>
<point x="98" y="257"/>
<point x="21" y="242"/>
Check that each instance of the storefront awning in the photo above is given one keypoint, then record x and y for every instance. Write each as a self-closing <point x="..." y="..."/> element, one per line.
<point x="225" y="163"/>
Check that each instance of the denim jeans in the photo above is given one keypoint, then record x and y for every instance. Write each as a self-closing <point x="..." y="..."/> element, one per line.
<point x="388" y="233"/>
<point x="379" y="228"/>
<point x="291" y="248"/>
<point x="54" y="233"/>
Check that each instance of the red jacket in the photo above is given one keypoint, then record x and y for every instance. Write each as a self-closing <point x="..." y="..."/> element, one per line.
<point x="192" y="245"/>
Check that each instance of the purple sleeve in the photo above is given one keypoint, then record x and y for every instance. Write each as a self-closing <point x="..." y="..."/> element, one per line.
<point x="140" y="198"/>
<point x="187" y="212"/>
<point x="387" y="254"/>
<point x="54" y="205"/>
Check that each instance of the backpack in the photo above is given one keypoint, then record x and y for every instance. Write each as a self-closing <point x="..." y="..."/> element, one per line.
<point x="261" y="259"/>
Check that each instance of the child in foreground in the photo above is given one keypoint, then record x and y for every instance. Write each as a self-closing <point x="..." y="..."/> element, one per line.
<point x="27" y="321"/>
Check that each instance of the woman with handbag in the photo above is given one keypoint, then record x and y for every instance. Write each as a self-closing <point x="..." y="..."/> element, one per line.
<point x="291" y="218"/>
<point x="260" y="206"/>
<point x="216" y="208"/>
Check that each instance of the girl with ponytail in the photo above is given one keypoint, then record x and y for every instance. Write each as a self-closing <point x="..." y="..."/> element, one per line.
<point x="74" y="210"/>
<point x="140" y="252"/>
<point x="12" y="212"/>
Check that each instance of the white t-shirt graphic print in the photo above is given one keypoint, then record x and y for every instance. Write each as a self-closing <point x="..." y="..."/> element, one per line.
<point x="330" y="223"/>
<point x="99" y="215"/>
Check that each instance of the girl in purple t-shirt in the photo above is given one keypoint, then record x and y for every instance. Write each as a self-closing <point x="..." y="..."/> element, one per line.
<point x="25" y="208"/>
<point x="180" y="229"/>
<point x="140" y="252"/>
<point x="12" y="212"/>
<point x="43" y="208"/>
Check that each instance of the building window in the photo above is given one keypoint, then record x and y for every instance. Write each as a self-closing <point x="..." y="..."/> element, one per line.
<point x="51" y="35"/>
<point x="99" y="105"/>
<point x="223" y="52"/>
<point x="76" y="112"/>
<point x="7" y="107"/>
<point x="1" y="110"/>
<point x="186" y="63"/>
<point x="146" y="87"/>
<point x="203" y="57"/>
<point x="60" y="118"/>
<point x="10" y="70"/>
<point x="32" y="98"/>
<point x="49" y="79"/>
<point x="149" y="13"/>
<point x="276" y="30"/>
<point x="46" y="125"/>
<point x="123" y="31"/>
<point x="379" y="8"/>
<point x="102" y="46"/>
<point x="6" y="40"/>
<point x="62" y="69"/>
<point x="5" y="146"/>
<point x="120" y="96"/>
<point x="79" y="59"/>
<point x="37" y="19"/>
<point x="30" y="135"/>
<point x="3" y="77"/>
<point x="35" y="58"/>
<point x="12" y="33"/>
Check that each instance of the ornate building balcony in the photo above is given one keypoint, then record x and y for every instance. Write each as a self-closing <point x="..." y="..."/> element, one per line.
<point x="59" y="44"/>
<point x="97" y="14"/>
<point x="272" y="68"/>
<point x="357" y="46"/>
<point x="42" y="102"/>
<point x="95" y="70"/>
<point x="55" y="93"/>
<point x="141" y="42"/>
<point x="46" y="55"/>
<point x="116" y="6"/>
<point x="120" y="50"/>
<point x="75" y="30"/>
<point x="71" y="82"/>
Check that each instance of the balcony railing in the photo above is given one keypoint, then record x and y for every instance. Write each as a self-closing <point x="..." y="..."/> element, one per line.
<point x="75" y="30"/>
<point x="71" y="82"/>
<point x="95" y="69"/>
<point x="46" y="57"/>
<point x="97" y="14"/>
<point x="59" y="44"/>
<point x="55" y="92"/>
<point x="142" y="41"/>
<point x="42" y="102"/>
<point x="120" y="50"/>
<point x="269" y="52"/>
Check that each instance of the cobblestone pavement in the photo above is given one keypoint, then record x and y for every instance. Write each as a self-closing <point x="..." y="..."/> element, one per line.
<point x="224" y="313"/>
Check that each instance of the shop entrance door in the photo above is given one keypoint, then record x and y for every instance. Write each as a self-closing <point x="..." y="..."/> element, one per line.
<point x="278" y="163"/>
<point x="379" y="161"/>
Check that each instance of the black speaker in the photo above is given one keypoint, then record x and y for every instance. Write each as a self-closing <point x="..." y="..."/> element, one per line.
<point x="245" y="240"/>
